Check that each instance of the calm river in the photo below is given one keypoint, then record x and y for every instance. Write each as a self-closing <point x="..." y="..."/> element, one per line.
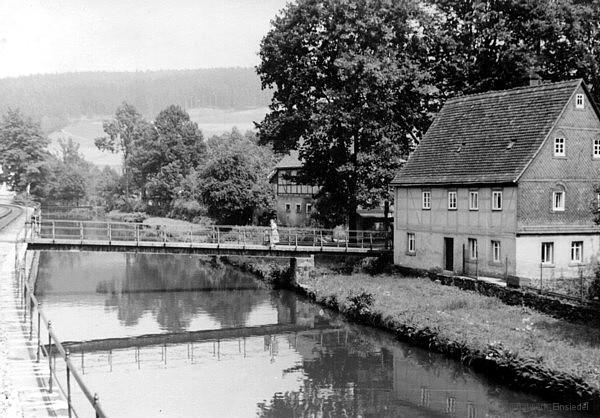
<point x="237" y="348"/>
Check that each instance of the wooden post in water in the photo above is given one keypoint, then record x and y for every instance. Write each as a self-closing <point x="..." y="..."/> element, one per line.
<point x="96" y="401"/>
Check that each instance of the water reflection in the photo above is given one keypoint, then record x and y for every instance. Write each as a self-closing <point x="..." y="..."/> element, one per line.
<point x="235" y="362"/>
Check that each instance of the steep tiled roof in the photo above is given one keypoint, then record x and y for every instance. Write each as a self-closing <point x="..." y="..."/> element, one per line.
<point x="469" y="140"/>
<point x="292" y="160"/>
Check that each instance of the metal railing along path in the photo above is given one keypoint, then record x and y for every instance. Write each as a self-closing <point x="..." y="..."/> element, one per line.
<point x="198" y="236"/>
<point x="54" y="346"/>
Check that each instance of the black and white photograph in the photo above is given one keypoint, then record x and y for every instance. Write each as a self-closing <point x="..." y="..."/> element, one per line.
<point x="299" y="208"/>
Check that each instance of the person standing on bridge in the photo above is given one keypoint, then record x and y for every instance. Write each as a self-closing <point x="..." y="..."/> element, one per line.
<point x="274" y="233"/>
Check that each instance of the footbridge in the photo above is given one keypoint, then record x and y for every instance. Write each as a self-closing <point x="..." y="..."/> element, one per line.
<point x="67" y="235"/>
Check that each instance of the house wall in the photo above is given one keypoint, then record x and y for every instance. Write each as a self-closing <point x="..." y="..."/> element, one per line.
<point x="291" y="217"/>
<point x="431" y="226"/>
<point x="577" y="173"/>
<point x="529" y="249"/>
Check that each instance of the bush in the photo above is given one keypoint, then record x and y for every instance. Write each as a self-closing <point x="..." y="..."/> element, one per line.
<point x="360" y="302"/>
<point x="136" y="217"/>
<point x="188" y="210"/>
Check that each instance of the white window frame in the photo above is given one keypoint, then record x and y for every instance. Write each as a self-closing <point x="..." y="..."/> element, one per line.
<point x="547" y="253"/>
<point x="579" y="101"/>
<point x="558" y="205"/>
<point x="452" y="200"/>
<point x="309" y="208"/>
<point x="426" y="199"/>
<point x="577" y="251"/>
<point x="560" y="147"/>
<point x="496" y="251"/>
<point x="410" y="242"/>
<point x="497" y="200"/>
<point x="473" y="200"/>
<point x="596" y="148"/>
<point x="473" y="251"/>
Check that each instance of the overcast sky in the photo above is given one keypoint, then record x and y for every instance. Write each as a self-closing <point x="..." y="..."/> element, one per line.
<point x="51" y="36"/>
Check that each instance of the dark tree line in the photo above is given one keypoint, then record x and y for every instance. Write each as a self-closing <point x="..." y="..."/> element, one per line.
<point x="356" y="83"/>
<point x="54" y="98"/>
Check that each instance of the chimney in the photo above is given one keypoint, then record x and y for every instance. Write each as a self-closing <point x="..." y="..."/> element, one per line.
<point x="534" y="79"/>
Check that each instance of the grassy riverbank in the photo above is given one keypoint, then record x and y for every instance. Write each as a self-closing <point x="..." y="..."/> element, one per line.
<point x="517" y="345"/>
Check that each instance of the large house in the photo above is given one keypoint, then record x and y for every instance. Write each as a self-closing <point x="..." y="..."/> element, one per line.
<point x="504" y="183"/>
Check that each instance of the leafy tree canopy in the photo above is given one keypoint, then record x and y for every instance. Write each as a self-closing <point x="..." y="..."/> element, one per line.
<point x="23" y="152"/>
<point x="234" y="182"/>
<point x="348" y="90"/>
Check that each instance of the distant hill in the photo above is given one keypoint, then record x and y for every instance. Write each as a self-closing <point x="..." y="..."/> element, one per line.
<point x="54" y="99"/>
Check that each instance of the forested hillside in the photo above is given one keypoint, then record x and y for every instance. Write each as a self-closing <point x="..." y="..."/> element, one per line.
<point x="54" y="98"/>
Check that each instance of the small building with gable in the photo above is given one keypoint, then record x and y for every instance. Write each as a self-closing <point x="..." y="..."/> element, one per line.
<point x="504" y="183"/>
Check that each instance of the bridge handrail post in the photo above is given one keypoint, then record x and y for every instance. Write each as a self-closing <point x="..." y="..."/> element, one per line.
<point x="296" y="240"/>
<point x="218" y="236"/>
<point x="244" y="236"/>
<point x="81" y="229"/>
<point x="109" y="230"/>
<point x="191" y="235"/>
<point x="67" y="354"/>
<point x="39" y="342"/>
<point x="49" y="356"/>
<point x="347" y="239"/>
<point x="137" y="234"/>
<point x="53" y="230"/>
<point x="321" y="232"/>
<point x="371" y="240"/>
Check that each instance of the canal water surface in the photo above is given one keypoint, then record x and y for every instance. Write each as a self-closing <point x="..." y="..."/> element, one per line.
<point x="175" y="336"/>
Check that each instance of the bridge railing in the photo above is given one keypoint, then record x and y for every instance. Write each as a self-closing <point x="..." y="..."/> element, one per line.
<point x="44" y="331"/>
<point x="213" y="234"/>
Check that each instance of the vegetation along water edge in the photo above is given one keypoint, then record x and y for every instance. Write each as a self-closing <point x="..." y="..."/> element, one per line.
<point x="514" y="345"/>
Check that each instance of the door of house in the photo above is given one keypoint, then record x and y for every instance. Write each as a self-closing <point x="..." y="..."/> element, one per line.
<point x="449" y="254"/>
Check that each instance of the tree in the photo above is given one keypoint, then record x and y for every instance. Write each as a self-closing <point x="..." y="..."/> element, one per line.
<point x="127" y="126"/>
<point x="475" y="46"/>
<point x="23" y="152"/>
<point x="234" y="183"/>
<point x="349" y="94"/>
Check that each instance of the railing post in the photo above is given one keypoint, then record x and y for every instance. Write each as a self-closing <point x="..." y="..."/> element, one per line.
<point x="53" y="231"/>
<point x="371" y="240"/>
<point x="48" y="352"/>
<point x="137" y="234"/>
<point x="164" y="233"/>
<point x="109" y="227"/>
<point x="81" y="229"/>
<point x="96" y="400"/>
<point x="38" y="332"/>
<point x="321" y="232"/>
<point x="68" y="382"/>
<point x="218" y="237"/>
<point x="347" y="239"/>
<point x="191" y="235"/>
<point x="296" y="240"/>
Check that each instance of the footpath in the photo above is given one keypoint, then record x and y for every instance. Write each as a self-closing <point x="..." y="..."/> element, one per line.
<point x="23" y="381"/>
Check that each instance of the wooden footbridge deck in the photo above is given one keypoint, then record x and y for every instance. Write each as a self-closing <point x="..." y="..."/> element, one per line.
<point x="66" y="235"/>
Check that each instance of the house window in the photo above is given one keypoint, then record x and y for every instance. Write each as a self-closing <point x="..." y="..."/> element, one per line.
<point x="472" y="248"/>
<point x="548" y="252"/>
<point x="426" y="199"/>
<point x="577" y="251"/>
<point x="497" y="200"/>
<point x="288" y="208"/>
<point x="451" y="200"/>
<point x="298" y="208"/>
<point x="559" y="147"/>
<point x="496" y="254"/>
<point x="596" y="153"/>
<point x="410" y="242"/>
<point x="309" y="208"/>
<point x="473" y="200"/>
<point x="558" y="201"/>
<point x="579" y="101"/>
